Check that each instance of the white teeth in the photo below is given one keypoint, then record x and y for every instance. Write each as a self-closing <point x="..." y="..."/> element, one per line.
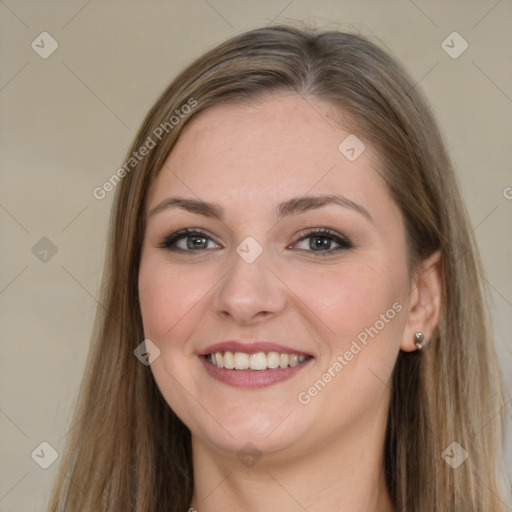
<point x="241" y="360"/>
<point x="229" y="361"/>
<point x="258" y="361"/>
<point x="273" y="359"/>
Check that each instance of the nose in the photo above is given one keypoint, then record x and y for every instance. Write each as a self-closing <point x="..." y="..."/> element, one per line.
<point x="250" y="292"/>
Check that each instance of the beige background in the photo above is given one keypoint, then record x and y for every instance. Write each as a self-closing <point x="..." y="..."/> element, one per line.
<point x="67" y="122"/>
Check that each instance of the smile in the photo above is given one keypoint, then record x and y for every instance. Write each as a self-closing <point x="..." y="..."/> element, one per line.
<point x="258" y="361"/>
<point x="255" y="370"/>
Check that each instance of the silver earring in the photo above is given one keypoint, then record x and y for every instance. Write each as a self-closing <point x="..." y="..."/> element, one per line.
<point x="418" y="340"/>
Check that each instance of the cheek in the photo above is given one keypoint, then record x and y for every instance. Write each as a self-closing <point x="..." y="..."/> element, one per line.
<point x="363" y="306"/>
<point x="168" y="297"/>
<point x="353" y="297"/>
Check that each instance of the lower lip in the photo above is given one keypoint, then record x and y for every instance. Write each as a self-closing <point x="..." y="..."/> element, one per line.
<point x="252" y="379"/>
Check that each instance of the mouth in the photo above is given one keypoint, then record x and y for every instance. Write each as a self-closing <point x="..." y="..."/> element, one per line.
<point x="259" y="361"/>
<point x="251" y="369"/>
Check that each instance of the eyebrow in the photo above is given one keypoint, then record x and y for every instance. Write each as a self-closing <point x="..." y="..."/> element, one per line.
<point x="292" y="206"/>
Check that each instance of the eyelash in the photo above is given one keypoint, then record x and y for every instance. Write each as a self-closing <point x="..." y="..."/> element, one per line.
<point x="343" y="242"/>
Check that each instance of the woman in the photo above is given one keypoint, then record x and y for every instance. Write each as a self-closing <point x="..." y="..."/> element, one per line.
<point x="289" y="241"/>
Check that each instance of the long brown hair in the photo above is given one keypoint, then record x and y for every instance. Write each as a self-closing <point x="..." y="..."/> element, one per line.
<point x="128" y="451"/>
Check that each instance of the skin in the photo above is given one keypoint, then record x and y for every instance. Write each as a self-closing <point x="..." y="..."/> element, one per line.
<point x="326" y="454"/>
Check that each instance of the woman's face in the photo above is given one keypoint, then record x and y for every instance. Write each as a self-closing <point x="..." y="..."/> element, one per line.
<point x="264" y="272"/>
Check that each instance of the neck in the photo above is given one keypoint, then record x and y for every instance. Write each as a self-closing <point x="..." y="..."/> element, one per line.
<point x="345" y="473"/>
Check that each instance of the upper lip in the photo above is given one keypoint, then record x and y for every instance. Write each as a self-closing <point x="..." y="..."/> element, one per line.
<point x="250" y="347"/>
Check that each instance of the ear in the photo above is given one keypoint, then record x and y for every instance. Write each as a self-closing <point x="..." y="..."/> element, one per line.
<point x="424" y="302"/>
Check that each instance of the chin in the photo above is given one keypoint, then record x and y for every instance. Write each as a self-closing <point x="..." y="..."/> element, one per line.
<point x="263" y="427"/>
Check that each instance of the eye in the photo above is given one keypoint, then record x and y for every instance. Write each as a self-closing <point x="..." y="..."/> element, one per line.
<point x="196" y="240"/>
<point x="188" y="240"/>
<point x="321" y="241"/>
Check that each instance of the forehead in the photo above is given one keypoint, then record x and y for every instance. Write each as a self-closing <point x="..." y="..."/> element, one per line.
<point x="265" y="151"/>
